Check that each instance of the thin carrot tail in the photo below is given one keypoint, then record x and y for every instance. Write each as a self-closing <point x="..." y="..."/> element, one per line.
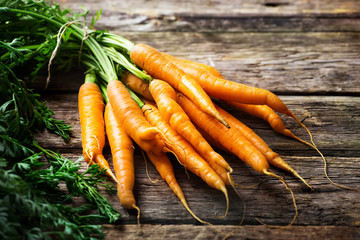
<point x="313" y="145"/>
<point x="100" y="159"/>
<point x="146" y="168"/>
<point x="288" y="168"/>
<point x="251" y="186"/>
<point x="183" y="201"/>
<point x="223" y="189"/>
<point x="271" y="174"/>
<point x="178" y="160"/>
<point x="289" y="113"/>
<point x="138" y="215"/>
<point x="232" y="183"/>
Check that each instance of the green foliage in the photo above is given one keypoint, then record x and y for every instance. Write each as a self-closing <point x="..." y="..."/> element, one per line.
<point x="32" y="205"/>
<point x="30" y="198"/>
<point x="31" y="201"/>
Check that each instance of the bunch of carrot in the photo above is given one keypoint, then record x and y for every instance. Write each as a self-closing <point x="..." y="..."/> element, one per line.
<point x="164" y="104"/>
<point x="134" y="93"/>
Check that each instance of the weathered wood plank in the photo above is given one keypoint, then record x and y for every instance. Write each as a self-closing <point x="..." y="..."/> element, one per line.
<point x="188" y="22"/>
<point x="279" y="7"/>
<point x="285" y="63"/>
<point x="157" y="232"/>
<point x="175" y="15"/>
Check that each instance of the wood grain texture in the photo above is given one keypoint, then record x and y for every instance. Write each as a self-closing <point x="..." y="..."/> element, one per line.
<point x="157" y="232"/>
<point x="279" y="7"/>
<point x="232" y="16"/>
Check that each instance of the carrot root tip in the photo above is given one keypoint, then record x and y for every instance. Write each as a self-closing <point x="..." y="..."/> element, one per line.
<point x="271" y="174"/>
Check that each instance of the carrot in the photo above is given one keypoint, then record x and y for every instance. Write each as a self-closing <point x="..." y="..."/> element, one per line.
<point x="231" y="91"/>
<point x="122" y="151"/>
<point x="266" y="113"/>
<point x="184" y="152"/>
<point x="212" y="141"/>
<point x="218" y="168"/>
<point x="228" y="138"/>
<point x="91" y="107"/>
<point x="232" y="140"/>
<point x="159" y="67"/>
<point x="137" y="85"/>
<point x="223" y="89"/>
<point x="208" y="68"/>
<point x="132" y="119"/>
<point x="272" y="157"/>
<point x="165" y="97"/>
<point x="261" y="111"/>
<point x="235" y="93"/>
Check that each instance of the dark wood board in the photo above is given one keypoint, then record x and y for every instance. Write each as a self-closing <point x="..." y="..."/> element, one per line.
<point x="230" y="16"/>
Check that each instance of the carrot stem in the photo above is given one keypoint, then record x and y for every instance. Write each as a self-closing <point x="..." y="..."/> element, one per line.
<point x="123" y="61"/>
<point x="113" y="40"/>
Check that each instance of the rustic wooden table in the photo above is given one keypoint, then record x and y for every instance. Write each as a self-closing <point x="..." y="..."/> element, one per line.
<point x="307" y="52"/>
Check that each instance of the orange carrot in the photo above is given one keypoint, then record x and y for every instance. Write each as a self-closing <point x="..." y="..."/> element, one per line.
<point x="233" y="141"/>
<point x="272" y="157"/>
<point x="165" y="97"/>
<point x="223" y="89"/>
<point x="137" y="85"/>
<point x="159" y="67"/>
<point x="230" y="138"/>
<point x="184" y="152"/>
<point x="132" y="119"/>
<point x="231" y="91"/>
<point x="122" y="151"/>
<point x="216" y="86"/>
<point x="91" y="108"/>
<point x="266" y="113"/>
<point x="208" y="68"/>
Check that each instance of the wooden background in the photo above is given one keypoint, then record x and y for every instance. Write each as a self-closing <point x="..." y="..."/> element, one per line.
<point x="307" y="52"/>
